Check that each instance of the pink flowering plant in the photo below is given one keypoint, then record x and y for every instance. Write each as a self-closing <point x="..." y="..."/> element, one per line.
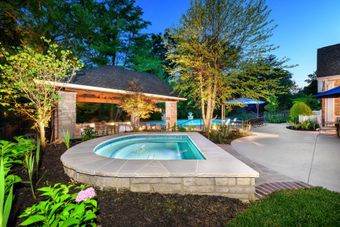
<point x="63" y="205"/>
<point x="86" y="194"/>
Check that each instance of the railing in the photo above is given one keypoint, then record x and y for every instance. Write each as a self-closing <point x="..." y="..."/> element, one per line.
<point x="281" y="117"/>
<point x="104" y="128"/>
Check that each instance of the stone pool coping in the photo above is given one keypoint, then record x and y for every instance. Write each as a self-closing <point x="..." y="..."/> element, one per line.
<point x="218" y="163"/>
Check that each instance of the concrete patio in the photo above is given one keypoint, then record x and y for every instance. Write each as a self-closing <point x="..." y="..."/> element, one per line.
<point x="310" y="157"/>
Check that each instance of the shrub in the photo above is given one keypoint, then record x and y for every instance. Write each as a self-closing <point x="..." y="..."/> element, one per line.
<point x="88" y="133"/>
<point x="225" y="134"/>
<point x="181" y="129"/>
<point x="11" y="154"/>
<point x="14" y="153"/>
<point x="305" y="125"/>
<point x="61" y="207"/>
<point x="299" y="108"/>
<point x="67" y="139"/>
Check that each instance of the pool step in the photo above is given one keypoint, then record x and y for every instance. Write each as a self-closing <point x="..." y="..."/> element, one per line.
<point x="265" y="189"/>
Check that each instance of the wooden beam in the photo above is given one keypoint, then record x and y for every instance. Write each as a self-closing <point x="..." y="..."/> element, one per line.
<point x="106" y="95"/>
<point x="98" y="100"/>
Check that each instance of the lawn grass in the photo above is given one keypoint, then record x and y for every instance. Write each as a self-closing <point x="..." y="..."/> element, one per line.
<point x="304" y="207"/>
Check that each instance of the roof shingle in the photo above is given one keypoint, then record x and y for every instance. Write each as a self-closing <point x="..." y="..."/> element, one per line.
<point x="328" y="62"/>
<point x="118" y="78"/>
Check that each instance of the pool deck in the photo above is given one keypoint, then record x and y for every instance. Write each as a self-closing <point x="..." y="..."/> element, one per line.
<point x="307" y="156"/>
<point x="220" y="174"/>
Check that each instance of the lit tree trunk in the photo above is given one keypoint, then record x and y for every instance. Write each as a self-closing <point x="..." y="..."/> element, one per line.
<point x="207" y="114"/>
<point x="134" y="122"/>
<point x="42" y="135"/>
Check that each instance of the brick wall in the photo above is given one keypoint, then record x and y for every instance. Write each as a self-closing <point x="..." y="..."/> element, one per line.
<point x="337" y="106"/>
<point x="323" y="102"/>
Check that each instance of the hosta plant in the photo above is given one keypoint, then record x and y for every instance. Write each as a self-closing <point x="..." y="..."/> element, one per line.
<point x="6" y="191"/>
<point x="14" y="152"/>
<point x="63" y="205"/>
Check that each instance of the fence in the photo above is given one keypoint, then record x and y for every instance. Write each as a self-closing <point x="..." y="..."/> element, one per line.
<point x="103" y="128"/>
<point x="315" y="117"/>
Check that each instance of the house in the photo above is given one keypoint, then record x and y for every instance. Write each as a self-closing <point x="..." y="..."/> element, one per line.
<point x="328" y="76"/>
<point x="108" y="84"/>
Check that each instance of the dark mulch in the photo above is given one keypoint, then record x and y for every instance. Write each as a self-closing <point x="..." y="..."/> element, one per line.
<point x="301" y="129"/>
<point x="143" y="209"/>
<point x="127" y="208"/>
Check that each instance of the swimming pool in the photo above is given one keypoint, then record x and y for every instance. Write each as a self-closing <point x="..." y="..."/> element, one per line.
<point x="186" y="122"/>
<point x="150" y="147"/>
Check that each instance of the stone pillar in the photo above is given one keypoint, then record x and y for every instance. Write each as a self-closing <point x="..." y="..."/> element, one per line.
<point x="170" y="114"/>
<point x="66" y="114"/>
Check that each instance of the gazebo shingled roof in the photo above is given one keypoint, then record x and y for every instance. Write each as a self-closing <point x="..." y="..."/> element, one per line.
<point x="118" y="78"/>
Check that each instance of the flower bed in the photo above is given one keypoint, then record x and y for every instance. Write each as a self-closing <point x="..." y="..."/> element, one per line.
<point x="127" y="208"/>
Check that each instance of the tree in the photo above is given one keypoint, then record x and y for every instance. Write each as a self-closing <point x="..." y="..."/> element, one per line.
<point x="264" y="78"/>
<point x="272" y="105"/>
<point x="214" y="41"/>
<point x="31" y="79"/>
<point x="98" y="32"/>
<point x="312" y="87"/>
<point x="261" y="78"/>
<point x="117" y="27"/>
<point x="145" y="56"/>
<point x="137" y="105"/>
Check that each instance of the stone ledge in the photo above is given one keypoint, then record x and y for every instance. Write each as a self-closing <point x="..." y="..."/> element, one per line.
<point x="220" y="174"/>
<point x="185" y="185"/>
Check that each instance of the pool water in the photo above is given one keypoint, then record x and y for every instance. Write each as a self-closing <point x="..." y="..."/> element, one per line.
<point x="186" y="122"/>
<point x="150" y="147"/>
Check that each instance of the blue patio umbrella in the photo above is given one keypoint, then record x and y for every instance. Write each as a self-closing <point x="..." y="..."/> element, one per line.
<point x="246" y="101"/>
<point x="331" y="93"/>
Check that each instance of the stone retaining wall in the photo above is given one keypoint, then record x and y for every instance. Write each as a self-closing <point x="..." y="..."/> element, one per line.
<point x="242" y="188"/>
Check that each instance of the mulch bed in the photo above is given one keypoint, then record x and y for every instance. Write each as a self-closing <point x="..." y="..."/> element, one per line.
<point x="300" y="129"/>
<point x="127" y="208"/>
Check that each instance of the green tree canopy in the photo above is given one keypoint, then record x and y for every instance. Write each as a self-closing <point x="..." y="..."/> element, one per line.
<point x="312" y="85"/>
<point x="215" y="45"/>
<point x="97" y="32"/>
<point x="30" y="81"/>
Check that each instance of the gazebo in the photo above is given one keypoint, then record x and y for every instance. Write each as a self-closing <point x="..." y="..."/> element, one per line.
<point x="108" y="84"/>
<point x="242" y="101"/>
